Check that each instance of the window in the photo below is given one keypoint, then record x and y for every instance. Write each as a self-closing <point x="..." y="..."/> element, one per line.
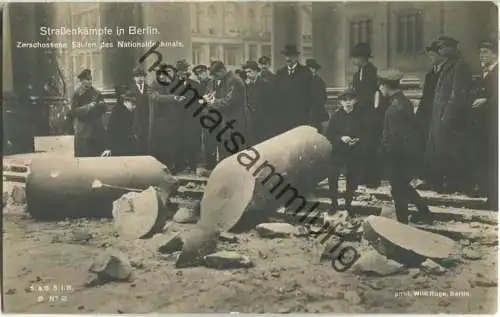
<point x="266" y="50"/>
<point x="252" y="52"/>
<point x="232" y="55"/>
<point x="196" y="56"/>
<point x="267" y="20"/>
<point x="361" y="30"/>
<point x="409" y="33"/>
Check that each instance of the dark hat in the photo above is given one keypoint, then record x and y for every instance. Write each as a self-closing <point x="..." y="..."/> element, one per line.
<point x="491" y="45"/>
<point x="251" y="65"/>
<point x="361" y="50"/>
<point x="349" y="92"/>
<point x="85" y="74"/>
<point x="434" y="47"/>
<point x="216" y="66"/>
<point x="138" y="72"/>
<point x="390" y="75"/>
<point x="447" y="41"/>
<point x="312" y="63"/>
<point x="182" y="65"/>
<point x="200" y="68"/>
<point x="290" y="50"/>
<point x="264" y="60"/>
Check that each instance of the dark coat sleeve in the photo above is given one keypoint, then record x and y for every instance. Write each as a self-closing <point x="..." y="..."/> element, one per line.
<point x="234" y="94"/>
<point x="82" y="111"/>
<point x="460" y="92"/>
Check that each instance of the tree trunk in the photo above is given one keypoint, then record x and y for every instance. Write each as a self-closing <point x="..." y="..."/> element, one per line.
<point x="280" y="171"/>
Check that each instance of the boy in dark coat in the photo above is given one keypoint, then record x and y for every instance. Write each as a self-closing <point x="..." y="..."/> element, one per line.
<point x="347" y="133"/>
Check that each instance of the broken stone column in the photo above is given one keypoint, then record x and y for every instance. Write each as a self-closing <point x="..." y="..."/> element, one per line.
<point x="63" y="187"/>
<point x="280" y="171"/>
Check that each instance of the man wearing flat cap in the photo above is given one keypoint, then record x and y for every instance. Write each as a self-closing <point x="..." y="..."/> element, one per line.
<point x="87" y="109"/>
<point x="399" y="146"/>
<point x="485" y="115"/>
<point x="424" y="110"/>
<point x="293" y="92"/>
<point x="129" y="120"/>
<point x="446" y="154"/>
<point x="364" y="81"/>
<point x="265" y="68"/>
<point x="319" y="98"/>
<point x="259" y="94"/>
<point x="348" y="135"/>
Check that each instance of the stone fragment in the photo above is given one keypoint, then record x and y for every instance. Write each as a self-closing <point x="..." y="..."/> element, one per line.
<point x="406" y="244"/>
<point x="19" y="194"/>
<point x="375" y="264"/>
<point x="81" y="236"/>
<point x="186" y="214"/>
<point x="227" y="237"/>
<point x="464" y="242"/>
<point x="470" y="254"/>
<point x="352" y="297"/>
<point x="432" y="268"/>
<point x="171" y="244"/>
<point x="483" y="282"/>
<point x="376" y="285"/>
<point x="139" y="215"/>
<point x="276" y="230"/>
<point x="197" y="242"/>
<point x="475" y="225"/>
<point x="112" y="265"/>
<point x="227" y="260"/>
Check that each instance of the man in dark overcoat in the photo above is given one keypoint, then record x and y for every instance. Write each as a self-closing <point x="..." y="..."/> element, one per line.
<point x="424" y="111"/>
<point x="259" y="95"/>
<point x="87" y="109"/>
<point x="227" y="107"/>
<point x="364" y="82"/>
<point x="206" y="86"/>
<point x="319" y="113"/>
<point x="164" y="119"/>
<point x="485" y="114"/>
<point x="265" y="68"/>
<point x="133" y="104"/>
<point x="399" y="147"/>
<point x="446" y="152"/>
<point x="292" y="105"/>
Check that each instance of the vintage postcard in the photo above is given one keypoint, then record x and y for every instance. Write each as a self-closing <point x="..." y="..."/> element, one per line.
<point x="250" y="157"/>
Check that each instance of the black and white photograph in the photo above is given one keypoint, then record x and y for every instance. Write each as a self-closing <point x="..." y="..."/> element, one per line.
<point x="250" y="157"/>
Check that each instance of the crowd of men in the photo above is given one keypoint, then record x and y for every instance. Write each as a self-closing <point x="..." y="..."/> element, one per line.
<point x="450" y="142"/>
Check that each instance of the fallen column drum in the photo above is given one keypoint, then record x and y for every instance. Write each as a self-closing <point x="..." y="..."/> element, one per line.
<point x="68" y="187"/>
<point x="280" y="171"/>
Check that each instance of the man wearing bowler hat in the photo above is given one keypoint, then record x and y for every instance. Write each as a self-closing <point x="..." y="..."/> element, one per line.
<point x="364" y="82"/>
<point x="399" y="147"/>
<point x="446" y="153"/>
<point x="319" y="98"/>
<point x="87" y="108"/>
<point x="293" y="92"/>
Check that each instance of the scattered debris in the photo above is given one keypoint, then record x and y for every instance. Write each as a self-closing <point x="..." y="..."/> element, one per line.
<point x="227" y="237"/>
<point x="470" y="254"/>
<point x="227" y="260"/>
<point x="373" y="263"/>
<point x="276" y="230"/>
<point x="464" y="242"/>
<point x="376" y="285"/>
<point x="79" y="236"/>
<point x="352" y="297"/>
<point x="483" y="282"/>
<point x="111" y="265"/>
<point x="186" y="214"/>
<point x="197" y="243"/>
<point x="433" y="268"/>
<point x="171" y="244"/>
